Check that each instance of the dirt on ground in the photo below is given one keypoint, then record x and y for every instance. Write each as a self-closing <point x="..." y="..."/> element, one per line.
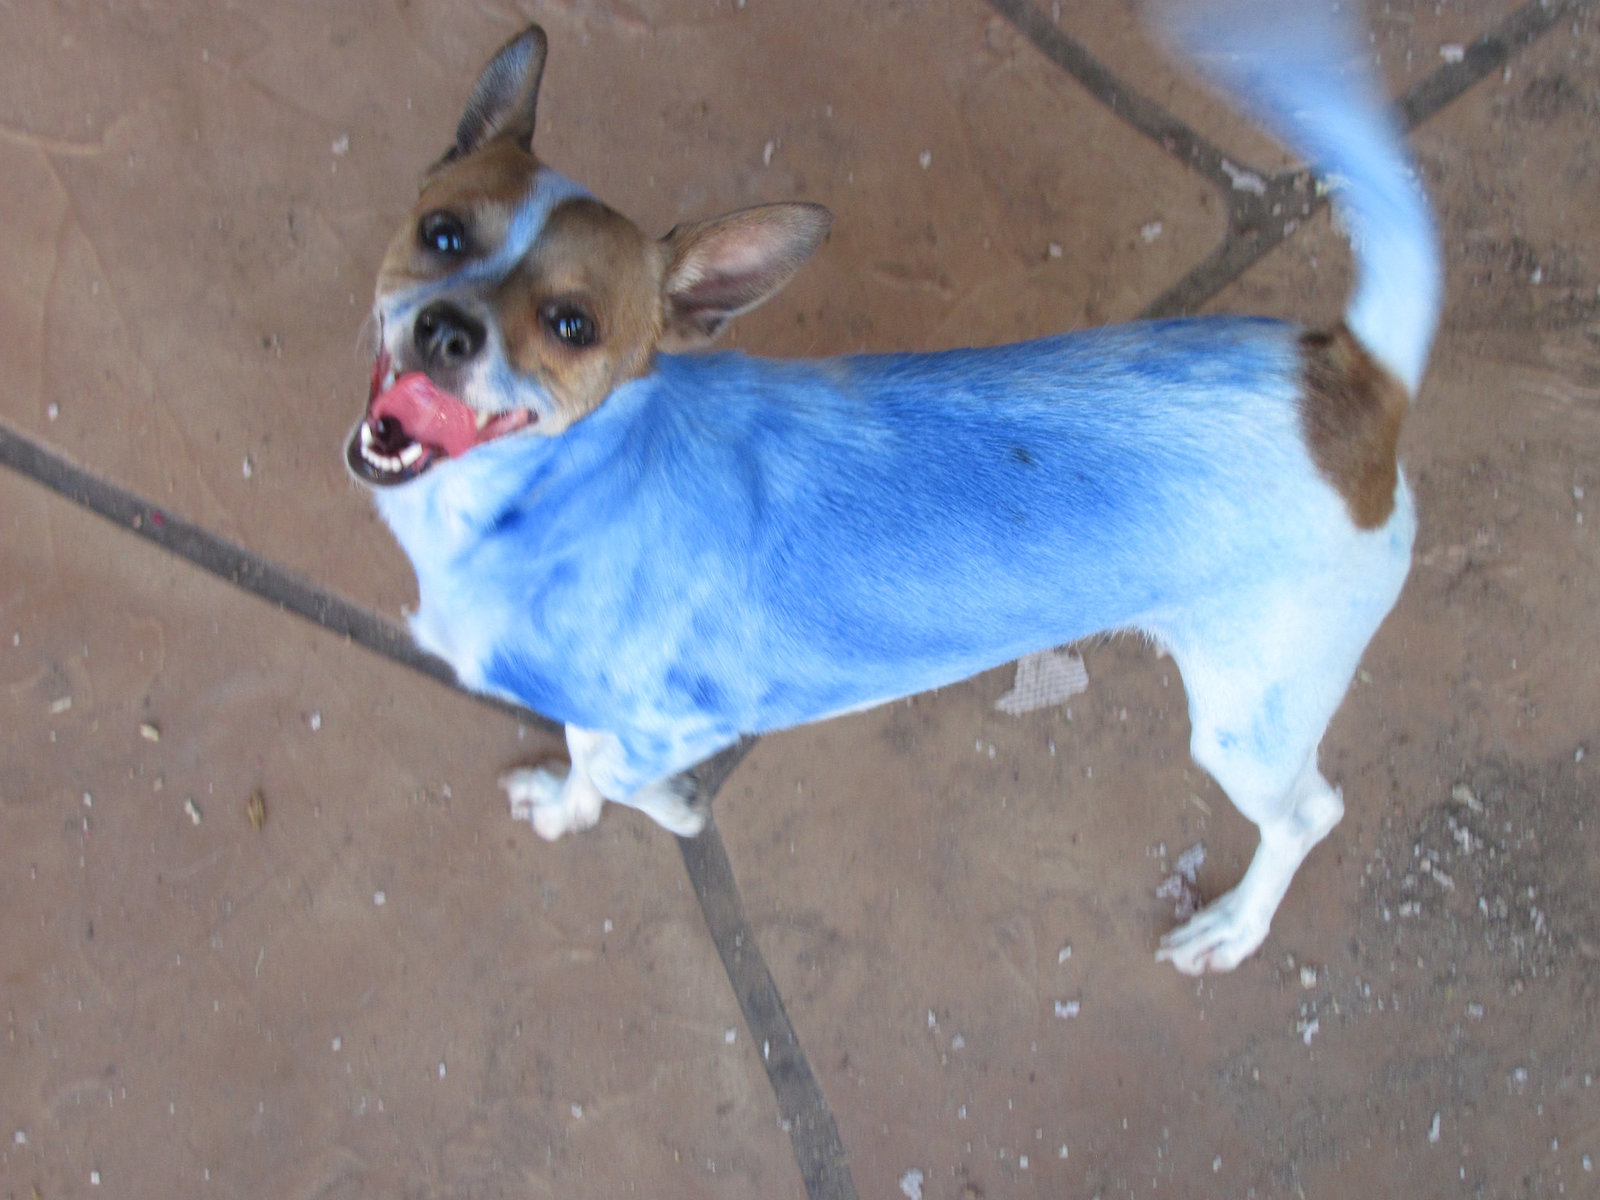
<point x="266" y="926"/>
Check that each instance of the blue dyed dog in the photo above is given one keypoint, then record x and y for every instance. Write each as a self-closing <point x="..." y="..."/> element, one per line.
<point x="666" y="551"/>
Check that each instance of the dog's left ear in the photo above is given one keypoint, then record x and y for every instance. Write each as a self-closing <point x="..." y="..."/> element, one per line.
<point x="720" y="268"/>
<point x="503" y="99"/>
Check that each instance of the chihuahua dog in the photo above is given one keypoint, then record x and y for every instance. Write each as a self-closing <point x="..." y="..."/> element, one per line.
<point x="667" y="551"/>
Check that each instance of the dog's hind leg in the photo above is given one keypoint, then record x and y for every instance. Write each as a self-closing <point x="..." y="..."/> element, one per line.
<point x="1265" y="667"/>
<point x="1259" y="703"/>
<point x="1231" y="928"/>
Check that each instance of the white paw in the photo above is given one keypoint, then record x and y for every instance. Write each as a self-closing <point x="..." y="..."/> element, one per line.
<point x="543" y="798"/>
<point x="1217" y="938"/>
<point x="664" y="805"/>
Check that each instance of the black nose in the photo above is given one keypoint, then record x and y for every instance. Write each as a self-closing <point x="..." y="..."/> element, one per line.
<point x="446" y="336"/>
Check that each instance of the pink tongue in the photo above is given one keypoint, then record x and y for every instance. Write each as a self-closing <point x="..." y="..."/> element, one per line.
<point x="428" y="414"/>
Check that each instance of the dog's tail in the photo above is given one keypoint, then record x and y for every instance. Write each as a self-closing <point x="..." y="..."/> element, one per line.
<point x="1300" y="70"/>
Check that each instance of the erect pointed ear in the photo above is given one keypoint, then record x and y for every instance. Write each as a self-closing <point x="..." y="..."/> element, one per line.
<point x="720" y="268"/>
<point x="503" y="99"/>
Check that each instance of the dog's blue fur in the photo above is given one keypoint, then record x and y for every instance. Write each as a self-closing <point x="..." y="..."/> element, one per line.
<point x="728" y="545"/>
<point x="731" y="545"/>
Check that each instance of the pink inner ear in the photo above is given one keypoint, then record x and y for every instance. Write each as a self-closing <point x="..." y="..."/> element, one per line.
<point x="744" y="252"/>
<point x="730" y="264"/>
<point x="731" y="270"/>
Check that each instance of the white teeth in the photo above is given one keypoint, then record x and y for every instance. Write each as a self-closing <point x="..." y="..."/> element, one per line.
<point x="483" y="419"/>
<point x="389" y="377"/>
<point x="383" y="461"/>
<point x="387" y="462"/>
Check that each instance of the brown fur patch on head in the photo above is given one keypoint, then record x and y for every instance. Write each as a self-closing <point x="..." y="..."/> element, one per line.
<point x="1351" y="409"/>
<point x="481" y="190"/>
<point x="593" y="261"/>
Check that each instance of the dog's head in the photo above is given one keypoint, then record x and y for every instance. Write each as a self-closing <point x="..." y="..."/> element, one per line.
<point x="511" y="302"/>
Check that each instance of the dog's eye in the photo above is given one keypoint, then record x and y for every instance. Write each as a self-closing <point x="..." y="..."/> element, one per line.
<point x="571" y="325"/>
<point x="443" y="233"/>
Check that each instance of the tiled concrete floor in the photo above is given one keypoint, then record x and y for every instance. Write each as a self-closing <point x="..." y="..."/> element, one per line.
<point x="387" y="988"/>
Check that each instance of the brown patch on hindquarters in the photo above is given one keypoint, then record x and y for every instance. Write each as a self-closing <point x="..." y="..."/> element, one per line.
<point x="1351" y="409"/>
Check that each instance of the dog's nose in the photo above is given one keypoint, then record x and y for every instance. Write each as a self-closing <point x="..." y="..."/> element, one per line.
<point x="445" y="336"/>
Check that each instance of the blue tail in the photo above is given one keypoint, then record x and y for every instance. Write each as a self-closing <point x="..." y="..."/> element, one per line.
<point x="1298" y="68"/>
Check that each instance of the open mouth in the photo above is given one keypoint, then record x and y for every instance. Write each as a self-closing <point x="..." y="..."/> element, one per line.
<point x="411" y="423"/>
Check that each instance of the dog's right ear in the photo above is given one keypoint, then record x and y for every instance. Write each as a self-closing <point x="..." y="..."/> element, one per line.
<point x="503" y="99"/>
<point x="720" y="268"/>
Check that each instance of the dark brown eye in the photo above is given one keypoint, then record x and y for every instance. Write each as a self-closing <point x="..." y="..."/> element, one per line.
<point x="443" y="233"/>
<point x="571" y="325"/>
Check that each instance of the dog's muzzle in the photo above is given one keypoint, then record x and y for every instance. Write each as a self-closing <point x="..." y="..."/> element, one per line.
<point x="412" y="423"/>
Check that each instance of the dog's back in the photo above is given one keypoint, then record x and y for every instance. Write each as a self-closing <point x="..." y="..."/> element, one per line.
<point x="767" y="543"/>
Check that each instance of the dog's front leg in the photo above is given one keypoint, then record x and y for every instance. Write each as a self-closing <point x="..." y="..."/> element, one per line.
<point x="553" y="802"/>
<point x="558" y="804"/>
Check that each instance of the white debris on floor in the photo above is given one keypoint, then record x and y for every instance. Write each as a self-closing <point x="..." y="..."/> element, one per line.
<point x="1044" y="679"/>
<point x="1181" y="887"/>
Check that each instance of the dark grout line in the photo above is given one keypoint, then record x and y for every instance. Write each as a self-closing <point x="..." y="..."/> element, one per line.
<point x="813" y="1133"/>
<point x="214" y="554"/>
<point x="1493" y="49"/>
<point x="818" y="1149"/>
<point x="803" y="1109"/>
<point x="1142" y="113"/>
<point x="1256" y="224"/>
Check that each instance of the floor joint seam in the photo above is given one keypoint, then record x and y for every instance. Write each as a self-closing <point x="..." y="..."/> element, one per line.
<point x="1257" y="223"/>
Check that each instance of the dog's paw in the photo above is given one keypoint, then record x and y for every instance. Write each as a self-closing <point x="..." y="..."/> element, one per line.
<point x="1217" y="938"/>
<point x="543" y="798"/>
<point x="671" y="804"/>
